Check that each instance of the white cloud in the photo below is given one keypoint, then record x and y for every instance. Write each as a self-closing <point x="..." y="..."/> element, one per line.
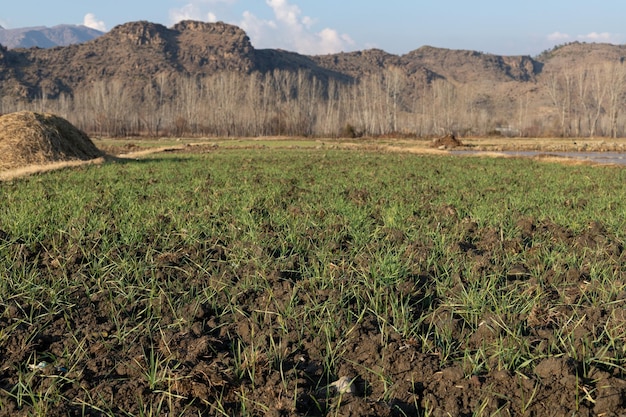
<point x="308" y="22"/>
<point x="197" y="10"/>
<point x="285" y="12"/>
<point x="292" y="31"/>
<point x="254" y="26"/>
<point x="604" y="37"/>
<point x="91" y="21"/>
<point x="288" y="28"/>
<point x="189" y="11"/>
<point x="558" y="37"/>
<point x="326" y="41"/>
<point x="589" y="37"/>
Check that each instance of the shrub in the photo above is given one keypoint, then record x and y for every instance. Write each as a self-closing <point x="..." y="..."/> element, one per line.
<point x="349" y="131"/>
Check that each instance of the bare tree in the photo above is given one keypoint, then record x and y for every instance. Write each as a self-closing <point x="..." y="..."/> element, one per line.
<point x="598" y="95"/>
<point x="616" y="83"/>
<point x="559" y="88"/>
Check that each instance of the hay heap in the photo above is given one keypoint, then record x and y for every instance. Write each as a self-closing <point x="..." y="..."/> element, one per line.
<point x="446" y="142"/>
<point x="28" y="138"/>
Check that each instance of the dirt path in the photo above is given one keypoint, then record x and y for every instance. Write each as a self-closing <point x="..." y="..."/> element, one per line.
<point x="39" y="168"/>
<point x="13" y="174"/>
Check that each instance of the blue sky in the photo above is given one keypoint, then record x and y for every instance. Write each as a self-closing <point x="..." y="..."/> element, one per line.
<point x="328" y="26"/>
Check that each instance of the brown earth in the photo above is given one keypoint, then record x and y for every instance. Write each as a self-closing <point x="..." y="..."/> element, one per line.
<point x="29" y="138"/>
<point x="202" y="350"/>
<point x="446" y="142"/>
<point x="387" y="376"/>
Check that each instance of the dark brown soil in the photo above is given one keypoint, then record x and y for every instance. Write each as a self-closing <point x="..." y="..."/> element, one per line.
<point x="391" y="376"/>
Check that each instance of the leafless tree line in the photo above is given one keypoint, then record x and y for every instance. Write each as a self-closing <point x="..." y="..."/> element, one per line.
<point x="584" y="102"/>
<point x="588" y="101"/>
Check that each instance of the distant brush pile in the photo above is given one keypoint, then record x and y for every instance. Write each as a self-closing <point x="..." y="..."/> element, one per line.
<point x="28" y="138"/>
<point x="446" y="142"/>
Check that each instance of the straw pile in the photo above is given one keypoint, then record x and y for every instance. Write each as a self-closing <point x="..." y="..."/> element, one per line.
<point x="28" y="138"/>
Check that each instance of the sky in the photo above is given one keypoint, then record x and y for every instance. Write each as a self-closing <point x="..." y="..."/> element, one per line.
<point x="329" y="26"/>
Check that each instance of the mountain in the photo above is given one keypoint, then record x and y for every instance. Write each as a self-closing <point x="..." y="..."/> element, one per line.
<point x="137" y="51"/>
<point x="494" y="90"/>
<point x="580" y="54"/>
<point x="141" y="50"/>
<point x="46" y="37"/>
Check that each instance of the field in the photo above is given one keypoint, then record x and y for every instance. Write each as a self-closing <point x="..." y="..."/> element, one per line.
<point x="313" y="280"/>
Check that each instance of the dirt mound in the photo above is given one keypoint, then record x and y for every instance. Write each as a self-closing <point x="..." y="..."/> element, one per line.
<point x="28" y="138"/>
<point x="446" y="142"/>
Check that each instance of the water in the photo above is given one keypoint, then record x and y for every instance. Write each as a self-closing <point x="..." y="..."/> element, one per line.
<point x="617" y="158"/>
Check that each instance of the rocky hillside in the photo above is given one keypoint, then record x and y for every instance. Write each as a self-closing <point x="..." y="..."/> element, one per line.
<point x="129" y="52"/>
<point x="144" y="49"/>
<point x="45" y="37"/>
<point x="141" y="50"/>
<point x="495" y="89"/>
<point x="578" y="55"/>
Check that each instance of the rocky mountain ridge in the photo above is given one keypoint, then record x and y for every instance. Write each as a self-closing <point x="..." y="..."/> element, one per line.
<point x="140" y="50"/>
<point x="47" y="37"/>
<point x="136" y="53"/>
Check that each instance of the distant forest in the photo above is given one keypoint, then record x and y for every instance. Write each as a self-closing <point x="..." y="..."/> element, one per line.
<point x="586" y="102"/>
